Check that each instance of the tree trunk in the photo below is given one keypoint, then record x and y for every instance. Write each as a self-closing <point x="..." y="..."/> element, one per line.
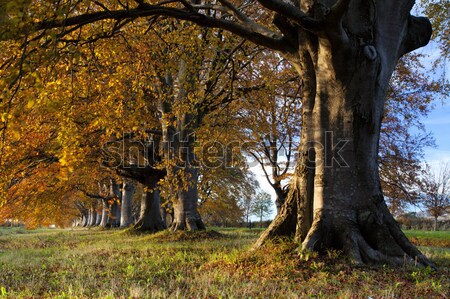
<point x="114" y="217"/>
<point x="178" y="147"/>
<point x="436" y="228"/>
<point x="84" y="220"/>
<point x="186" y="216"/>
<point x="128" y="189"/>
<point x="105" y="212"/>
<point x="92" y="219"/>
<point x="99" y="216"/>
<point x="115" y="198"/>
<point x="167" y="214"/>
<point x="150" y="216"/>
<point x="336" y="191"/>
<point x="280" y="195"/>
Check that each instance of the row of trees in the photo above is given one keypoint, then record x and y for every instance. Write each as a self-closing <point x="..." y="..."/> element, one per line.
<point x="120" y="205"/>
<point x="100" y="92"/>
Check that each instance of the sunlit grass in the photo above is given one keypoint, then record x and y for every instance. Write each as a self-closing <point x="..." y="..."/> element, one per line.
<point x="214" y="264"/>
<point x="429" y="238"/>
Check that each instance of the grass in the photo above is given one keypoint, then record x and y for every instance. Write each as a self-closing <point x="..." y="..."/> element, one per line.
<point x="217" y="263"/>
<point x="429" y="238"/>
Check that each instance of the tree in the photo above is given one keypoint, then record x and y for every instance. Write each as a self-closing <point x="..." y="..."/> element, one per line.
<point x="437" y="11"/>
<point x="403" y="135"/>
<point x="126" y="213"/>
<point x="435" y="195"/>
<point x="272" y="137"/>
<point x="345" y="51"/>
<point x="262" y="206"/>
<point x="223" y="193"/>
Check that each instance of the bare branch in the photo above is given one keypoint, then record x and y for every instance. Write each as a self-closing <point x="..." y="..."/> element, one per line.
<point x="261" y="162"/>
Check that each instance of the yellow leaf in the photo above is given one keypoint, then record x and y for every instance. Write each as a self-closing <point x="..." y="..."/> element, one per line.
<point x="30" y="104"/>
<point x="16" y="134"/>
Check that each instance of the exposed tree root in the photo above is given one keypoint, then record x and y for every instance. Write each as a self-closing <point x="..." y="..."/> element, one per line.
<point x="189" y="224"/>
<point x="369" y="237"/>
<point x="153" y="226"/>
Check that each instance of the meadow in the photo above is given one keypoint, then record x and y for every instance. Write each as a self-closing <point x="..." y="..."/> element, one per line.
<point x="217" y="263"/>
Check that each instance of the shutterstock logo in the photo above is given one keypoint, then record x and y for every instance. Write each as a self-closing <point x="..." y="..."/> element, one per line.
<point x="131" y="151"/>
<point x="329" y="151"/>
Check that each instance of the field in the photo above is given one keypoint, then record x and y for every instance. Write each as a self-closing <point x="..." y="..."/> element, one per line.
<point x="95" y="263"/>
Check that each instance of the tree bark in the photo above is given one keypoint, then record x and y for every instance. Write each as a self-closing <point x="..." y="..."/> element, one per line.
<point x="99" y="215"/>
<point x="178" y="147"/>
<point x="105" y="212"/>
<point x="92" y="219"/>
<point x="150" y="215"/>
<point x="336" y="190"/>
<point x="186" y="216"/>
<point x="128" y="188"/>
<point x="167" y="214"/>
<point x="115" y="198"/>
<point x="280" y="196"/>
<point x="84" y="220"/>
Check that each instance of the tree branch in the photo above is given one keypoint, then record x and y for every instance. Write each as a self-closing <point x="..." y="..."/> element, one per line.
<point x="293" y="13"/>
<point x="261" y="162"/>
<point x="258" y="35"/>
<point x="419" y="34"/>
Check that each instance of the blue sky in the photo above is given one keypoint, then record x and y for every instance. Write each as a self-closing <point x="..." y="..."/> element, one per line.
<point x="438" y="121"/>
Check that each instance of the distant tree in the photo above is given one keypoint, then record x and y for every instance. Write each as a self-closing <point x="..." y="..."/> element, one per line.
<point x="221" y="195"/>
<point x="272" y="137"/>
<point x="436" y="192"/>
<point x="247" y="208"/>
<point x="262" y="206"/>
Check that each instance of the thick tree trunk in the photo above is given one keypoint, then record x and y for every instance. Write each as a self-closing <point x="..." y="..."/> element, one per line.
<point x="128" y="188"/>
<point x="186" y="216"/>
<point x="178" y="147"/>
<point x="436" y="223"/>
<point x="150" y="216"/>
<point x="336" y="191"/>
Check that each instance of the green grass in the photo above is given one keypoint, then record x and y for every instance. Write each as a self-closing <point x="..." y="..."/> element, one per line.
<point x="214" y="264"/>
<point x="429" y="238"/>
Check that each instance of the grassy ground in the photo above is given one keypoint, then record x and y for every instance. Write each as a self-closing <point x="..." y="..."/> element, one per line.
<point x="213" y="264"/>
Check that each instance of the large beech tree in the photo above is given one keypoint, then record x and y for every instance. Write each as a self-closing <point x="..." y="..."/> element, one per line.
<point x="345" y="51"/>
